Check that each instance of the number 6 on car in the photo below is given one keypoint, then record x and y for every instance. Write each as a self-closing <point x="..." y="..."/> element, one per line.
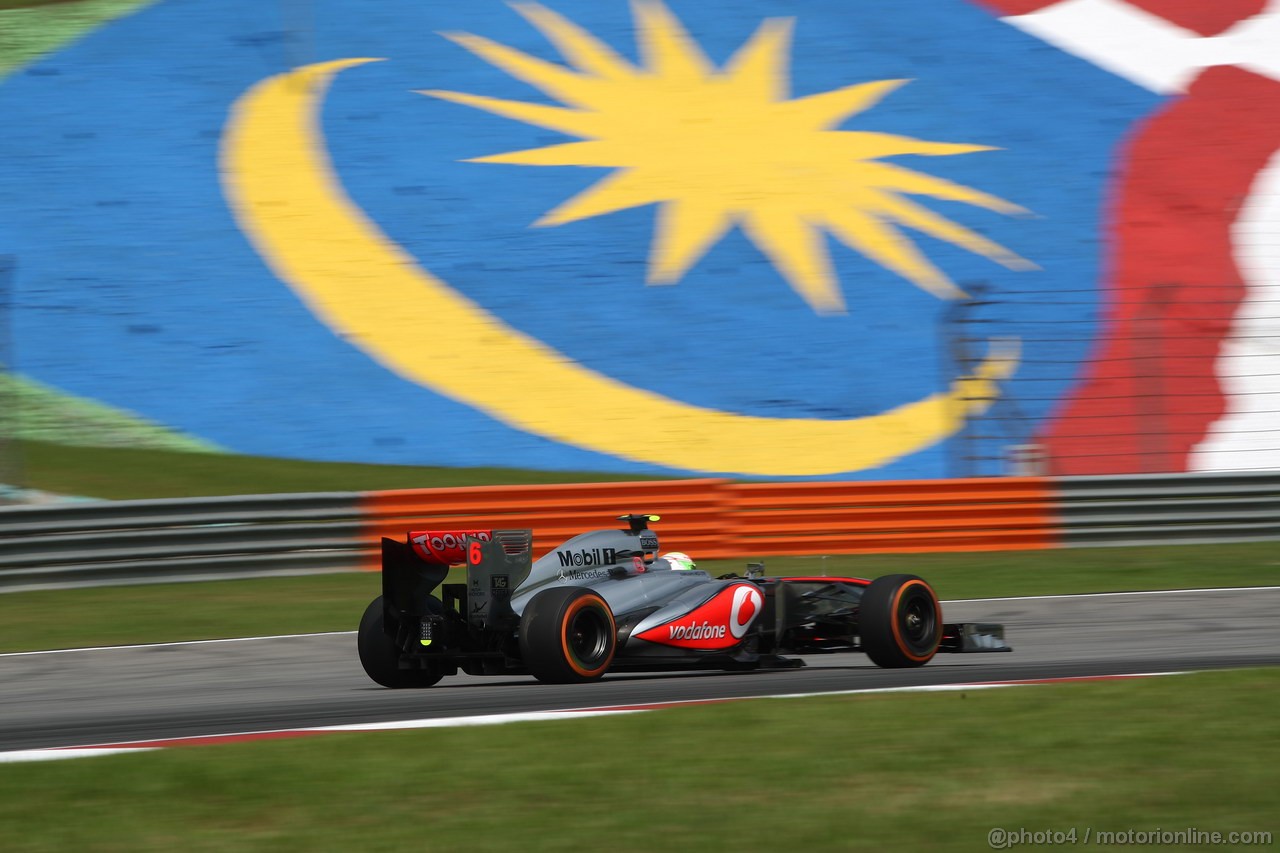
<point x="607" y="601"/>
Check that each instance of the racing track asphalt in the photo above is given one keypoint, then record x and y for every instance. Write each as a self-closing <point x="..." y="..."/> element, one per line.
<point x="99" y="696"/>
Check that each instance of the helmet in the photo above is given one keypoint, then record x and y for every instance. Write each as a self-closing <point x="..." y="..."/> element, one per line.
<point x="680" y="561"/>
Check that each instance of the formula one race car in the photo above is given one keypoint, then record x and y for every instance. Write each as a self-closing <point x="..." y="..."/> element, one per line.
<point x="605" y="601"/>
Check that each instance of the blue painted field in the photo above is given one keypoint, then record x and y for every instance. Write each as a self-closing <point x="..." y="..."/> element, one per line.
<point x="139" y="287"/>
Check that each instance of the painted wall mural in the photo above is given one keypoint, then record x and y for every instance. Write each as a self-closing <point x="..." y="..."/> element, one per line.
<point x="811" y="239"/>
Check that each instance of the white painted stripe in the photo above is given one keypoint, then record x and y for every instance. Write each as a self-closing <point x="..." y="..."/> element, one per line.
<point x="484" y="720"/>
<point x="56" y="753"/>
<point x="1117" y="594"/>
<point x="1149" y="50"/>
<point x="1152" y="52"/>
<point x="1142" y="48"/>
<point x="1253" y="43"/>
<point x="1247" y="437"/>
<point x="352" y="633"/>
<point x="177" y="643"/>
<point x="981" y="685"/>
<point x="60" y="754"/>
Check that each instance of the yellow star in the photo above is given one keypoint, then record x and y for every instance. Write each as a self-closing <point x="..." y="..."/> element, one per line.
<point x="718" y="148"/>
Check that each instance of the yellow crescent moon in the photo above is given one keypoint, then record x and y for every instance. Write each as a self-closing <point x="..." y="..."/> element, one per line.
<point x="283" y="191"/>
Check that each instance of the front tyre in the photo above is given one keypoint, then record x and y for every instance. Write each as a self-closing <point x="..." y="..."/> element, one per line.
<point x="900" y="621"/>
<point x="381" y="658"/>
<point x="567" y="635"/>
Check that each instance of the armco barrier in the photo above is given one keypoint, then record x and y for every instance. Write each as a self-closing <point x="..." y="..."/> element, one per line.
<point x="1147" y="509"/>
<point x="103" y="542"/>
<point x="134" y="541"/>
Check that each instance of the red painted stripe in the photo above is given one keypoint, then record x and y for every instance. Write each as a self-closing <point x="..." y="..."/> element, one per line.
<point x="654" y="706"/>
<point x="1065" y="679"/>
<point x="204" y="740"/>
<point x="246" y="737"/>
<point x="1015" y="7"/>
<point x="1206" y="17"/>
<point x="1151" y="392"/>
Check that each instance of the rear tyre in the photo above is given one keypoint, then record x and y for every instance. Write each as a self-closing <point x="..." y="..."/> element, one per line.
<point x="900" y="621"/>
<point x="567" y="635"/>
<point x="381" y="658"/>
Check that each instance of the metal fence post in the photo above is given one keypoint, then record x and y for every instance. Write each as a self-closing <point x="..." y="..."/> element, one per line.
<point x="11" y="474"/>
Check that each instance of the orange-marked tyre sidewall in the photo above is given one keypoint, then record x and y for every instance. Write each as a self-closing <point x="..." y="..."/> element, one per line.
<point x="897" y="630"/>
<point x="570" y="612"/>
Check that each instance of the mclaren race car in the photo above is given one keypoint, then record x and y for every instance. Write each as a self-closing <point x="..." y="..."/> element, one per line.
<point x="605" y="601"/>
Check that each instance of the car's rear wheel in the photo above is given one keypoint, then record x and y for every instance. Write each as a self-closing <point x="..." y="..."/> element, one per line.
<point x="900" y="621"/>
<point x="567" y="634"/>
<point x="381" y="658"/>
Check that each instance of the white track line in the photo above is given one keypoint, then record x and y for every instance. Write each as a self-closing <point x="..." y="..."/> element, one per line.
<point x="1115" y="594"/>
<point x="177" y="643"/>
<point x="58" y="753"/>
<point x="351" y="633"/>
<point x="23" y="755"/>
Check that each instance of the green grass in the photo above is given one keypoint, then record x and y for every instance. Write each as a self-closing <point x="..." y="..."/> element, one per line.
<point x="123" y="473"/>
<point x="239" y="608"/>
<point x="31" y="4"/>
<point x="31" y="28"/>
<point x="38" y="412"/>
<point x="125" y="615"/>
<point x="874" y="772"/>
<point x="1062" y="571"/>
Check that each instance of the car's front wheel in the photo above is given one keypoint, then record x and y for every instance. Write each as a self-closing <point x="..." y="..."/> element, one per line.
<point x="900" y="621"/>
<point x="381" y="658"/>
<point x="567" y="634"/>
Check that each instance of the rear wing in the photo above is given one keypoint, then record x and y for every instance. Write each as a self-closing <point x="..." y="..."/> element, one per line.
<point x="495" y="568"/>
<point x="497" y="562"/>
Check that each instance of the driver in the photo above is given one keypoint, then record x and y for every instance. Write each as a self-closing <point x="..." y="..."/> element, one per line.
<point x="680" y="561"/>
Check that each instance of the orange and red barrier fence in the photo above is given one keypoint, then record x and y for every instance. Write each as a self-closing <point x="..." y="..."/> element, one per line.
<point x="99" y="542"/>
<point x="724" y="519"/>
